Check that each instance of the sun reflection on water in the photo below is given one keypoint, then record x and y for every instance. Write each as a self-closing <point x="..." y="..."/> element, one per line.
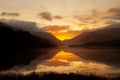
<point x="66" y="62"/>
<point x="62" y="58"/>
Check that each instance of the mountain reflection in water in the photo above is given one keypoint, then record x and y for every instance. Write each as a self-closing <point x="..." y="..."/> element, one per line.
<point x="68" y="60"/>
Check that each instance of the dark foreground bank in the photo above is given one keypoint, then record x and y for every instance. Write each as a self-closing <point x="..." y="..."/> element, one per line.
<point x="53" y="76"/>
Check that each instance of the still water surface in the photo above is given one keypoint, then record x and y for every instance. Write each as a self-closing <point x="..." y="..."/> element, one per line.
<point x="101" y="62"/>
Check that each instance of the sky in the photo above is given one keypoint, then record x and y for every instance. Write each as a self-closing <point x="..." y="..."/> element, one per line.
<point x="65" y="19"/>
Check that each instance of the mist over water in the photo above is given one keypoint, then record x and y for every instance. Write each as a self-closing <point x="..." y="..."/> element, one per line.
<point x="101" y="62"/>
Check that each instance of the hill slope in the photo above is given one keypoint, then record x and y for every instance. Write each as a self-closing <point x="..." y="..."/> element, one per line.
<point x="33" y="29"/>
<point x="103" y="36"/>
<point x="49" y="37"/>
<point x="13" y="38"/>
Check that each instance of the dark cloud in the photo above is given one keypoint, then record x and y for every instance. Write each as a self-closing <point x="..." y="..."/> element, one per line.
<point x="48" y="16"/>
<point x="24" y="25"/>
<point x="10" y="14"/>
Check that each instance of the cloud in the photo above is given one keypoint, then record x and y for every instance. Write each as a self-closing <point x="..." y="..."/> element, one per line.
<point x="85" y="17"/>
<point x="56" y="28"/>
<point x="10" y="14"/>
<point x="62" y="32"/>
<point x="58" y="17"/>
<point x="113" y="13"/>
<point x="96" y="14"/>
<point x="93" y="19"/>
<point x="93" y="14"/>
<point x="24" y="25"/>
<point x="48" y="16"/>
<point x="113" y="10"/>
<point x="68" y="34"/>
<point x="97" y="18"/>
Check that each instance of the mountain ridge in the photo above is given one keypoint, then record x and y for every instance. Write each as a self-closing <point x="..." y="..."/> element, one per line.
<point x="105" y="34"/>
<point x="14" y="38"/>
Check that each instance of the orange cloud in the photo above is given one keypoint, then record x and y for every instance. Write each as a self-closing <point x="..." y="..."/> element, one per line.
<point x="113" y="10"/>
<point x="83" y="17"/>
<point x="67" y="35"/>
<point x="96" y="18"/>
<point x="62" y="32"/>
<point x="113" y="13"/>
<point x="93" y="14"/>
<point x="56" y="28"/>
<point x="58" y="17"/>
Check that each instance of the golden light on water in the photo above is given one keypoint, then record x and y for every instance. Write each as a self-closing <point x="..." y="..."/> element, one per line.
<point x="62" y="58"/>
<point x="65" y="62"/>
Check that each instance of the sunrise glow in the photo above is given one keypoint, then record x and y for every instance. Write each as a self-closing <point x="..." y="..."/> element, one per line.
<point x="63" y="36"/>
<point x="63" y="18"/>
<point x="59" y="39"/>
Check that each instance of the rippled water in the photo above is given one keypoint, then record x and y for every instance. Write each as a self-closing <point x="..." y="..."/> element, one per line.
<point x="102" y="62"/>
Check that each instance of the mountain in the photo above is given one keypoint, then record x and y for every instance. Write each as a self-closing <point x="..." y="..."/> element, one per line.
<point x="33" y="29"/>
<point x="48" y="36"/>
<point x="96" y="37"/>
<point x="14" y="38"/>
<point x="102" y="44"/>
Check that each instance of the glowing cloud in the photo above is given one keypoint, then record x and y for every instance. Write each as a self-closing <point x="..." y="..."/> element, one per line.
<point x="62" y="32"/>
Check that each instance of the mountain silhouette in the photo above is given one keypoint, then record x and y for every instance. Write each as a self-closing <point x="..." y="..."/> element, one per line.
<point x="17" y="46"/>
<point x="49" y="37"/>
<point x="13" y="38"/>
<point x="107" y="36"/>
<point x="33" y="29"/>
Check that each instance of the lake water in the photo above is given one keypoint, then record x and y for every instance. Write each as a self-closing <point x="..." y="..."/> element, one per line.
<point x="101" y="62"/>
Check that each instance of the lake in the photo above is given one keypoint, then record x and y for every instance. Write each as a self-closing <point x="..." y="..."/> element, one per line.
<point x="100" y="62"/>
